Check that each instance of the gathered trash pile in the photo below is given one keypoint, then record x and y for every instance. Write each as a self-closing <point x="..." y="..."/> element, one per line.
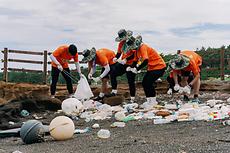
<point x="93" y="110"/>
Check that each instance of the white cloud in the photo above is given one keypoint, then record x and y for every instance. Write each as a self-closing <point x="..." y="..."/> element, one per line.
<point x="46" y="24"/>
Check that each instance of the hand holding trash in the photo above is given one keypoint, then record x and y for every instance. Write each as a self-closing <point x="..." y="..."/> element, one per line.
<point x="177" y="87"/>
<point x="60" y="67"/>
<point x="187" y="89"/>
<point x="128" y="68"/>
<point x="122" y="61"/>
<point x="90" y="76"/>
<point x="97" y="79"/>
<point x="169" y="92"/>
<point x="114" y="59"/>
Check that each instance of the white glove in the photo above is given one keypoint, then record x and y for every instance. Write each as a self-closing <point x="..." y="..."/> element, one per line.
<point x="114" y="59"/>
<point x="60" y="67"/>
<point x="187" y="89"/>
<point x="181" y="90"/>
<point x="169" y="92"/>
<point x="128" y="68"/>
<point x="134" y="70"/>
<point x="122" y="61"/>
<point x="177" y="87"/>
<point x="90" y="76"/>
<point x="97" y="79"/>
<point x="81" y="75"/>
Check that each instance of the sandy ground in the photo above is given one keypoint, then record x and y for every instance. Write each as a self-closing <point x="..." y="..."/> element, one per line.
<point x="136" y="136"/>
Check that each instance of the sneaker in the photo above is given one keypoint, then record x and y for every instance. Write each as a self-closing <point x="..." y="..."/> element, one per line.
<point x="52" y="96"/>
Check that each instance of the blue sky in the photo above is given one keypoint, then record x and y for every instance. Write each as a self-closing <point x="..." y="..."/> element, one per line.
<point x="165" y="25"/>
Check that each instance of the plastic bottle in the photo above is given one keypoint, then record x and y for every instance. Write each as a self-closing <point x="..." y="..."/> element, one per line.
<point x="80" y="131"/>
<point x="161" y="121"/>
<point x="118" y="124"/>
<point x="103" y="133"/>
<point x="128" y="118"/>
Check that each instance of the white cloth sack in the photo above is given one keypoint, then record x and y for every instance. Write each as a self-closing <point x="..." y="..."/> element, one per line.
<point x="83" y="91"/>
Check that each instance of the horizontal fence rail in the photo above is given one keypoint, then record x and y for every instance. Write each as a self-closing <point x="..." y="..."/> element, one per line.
<point x="45" y="62"/>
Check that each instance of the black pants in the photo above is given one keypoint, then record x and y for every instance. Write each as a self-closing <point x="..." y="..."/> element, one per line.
<point x="118" y="69"/>
<point x="149" y="80"/>
<point x="55" y="74"/>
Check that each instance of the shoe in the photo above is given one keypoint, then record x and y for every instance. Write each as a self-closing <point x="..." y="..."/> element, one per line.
<point x="196" y="100"/>
<point x="186" y="98"/>
<point x="52" y="96"/>
<point x="110" y="95"/>
<point x="71" y="96"/>
<point x="98" y="98"/>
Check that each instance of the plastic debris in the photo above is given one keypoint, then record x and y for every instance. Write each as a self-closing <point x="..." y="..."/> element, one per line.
<point x="80" y="131"/>
<point x="161" y="121"/>
<point x="95" y="126"/>
<point x="119" y="116"/>
<point x="17" y="151"/>
<point x="103" y="133"/>
<point x="24" y="113"/>
<point x="72" y="106"/>
<point x="117" y="124"/>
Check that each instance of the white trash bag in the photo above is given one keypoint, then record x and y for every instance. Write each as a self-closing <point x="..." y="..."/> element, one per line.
<point x="83" y="91"/>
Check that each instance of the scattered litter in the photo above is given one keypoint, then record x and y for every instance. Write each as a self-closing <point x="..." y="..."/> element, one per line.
<point x="117" y="124"/>
<point x="103" y="133"/>
<point x="24" y="113"/>
<point x="228" y="100"/>
<point x="11" y="123"/>
<point x="16" y="151"/>
<point x="37" y="117"/>
<point x="95" y="126"/>
<point x="80" y="131"/>
<point x="119" y="116"/>
<point x="227" y="122"/>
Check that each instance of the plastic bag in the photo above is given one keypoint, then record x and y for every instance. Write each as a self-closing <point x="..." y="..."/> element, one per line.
<point x="83" y="91"/>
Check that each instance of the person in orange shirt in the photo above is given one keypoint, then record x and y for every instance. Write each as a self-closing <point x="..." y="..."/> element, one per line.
<point x="124" y="58"/>
<point x="104" y="58"/>
<point x="155" y="68"/>
<point x="60" y="58"/>
<point x="186" y="62"/>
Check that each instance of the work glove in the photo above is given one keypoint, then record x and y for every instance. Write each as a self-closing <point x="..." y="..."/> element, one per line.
<point x="123" y="62"/>
<point x="96" y="79"/>
<point x="177" y="87"/>
<point x="60" y="67"/>
<point x="181" y="90"/>
<point x="128" y="68"/>
<point x="169" y="92"/>
<point x="81" y="75"/>
<point x="187" y="89"/>
<point x="134" y="70"/>
<point x="90" y="76"/>
<point x="114" y="59"/>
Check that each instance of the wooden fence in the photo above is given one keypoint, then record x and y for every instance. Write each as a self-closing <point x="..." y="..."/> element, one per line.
<point x="45" y="63"/>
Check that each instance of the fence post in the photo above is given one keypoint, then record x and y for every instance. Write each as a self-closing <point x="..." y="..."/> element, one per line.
<point x="228" y="59"/>
<point x="45" y="67"/>
<point x="222" y="64"/>
<point x="5" y="72"/>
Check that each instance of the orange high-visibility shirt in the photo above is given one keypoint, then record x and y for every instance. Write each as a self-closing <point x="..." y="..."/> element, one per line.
<point x="63" y="56"/>
<point x="104" y="56"/>
<point x="155" y="61"/>
<point x="125" y="55"/>
<point x="195" y="61"/>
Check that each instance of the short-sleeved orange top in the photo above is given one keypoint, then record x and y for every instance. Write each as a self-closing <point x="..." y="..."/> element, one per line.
<point x="63" y="56"/>
<point x="104" y="56"/>
<point x="125" y="55"/>
<point x="155" y="61"/>
<point x="195" y="61"/>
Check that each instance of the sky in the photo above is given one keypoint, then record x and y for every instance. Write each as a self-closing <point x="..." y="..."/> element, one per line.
<point x="166" y="25"/>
